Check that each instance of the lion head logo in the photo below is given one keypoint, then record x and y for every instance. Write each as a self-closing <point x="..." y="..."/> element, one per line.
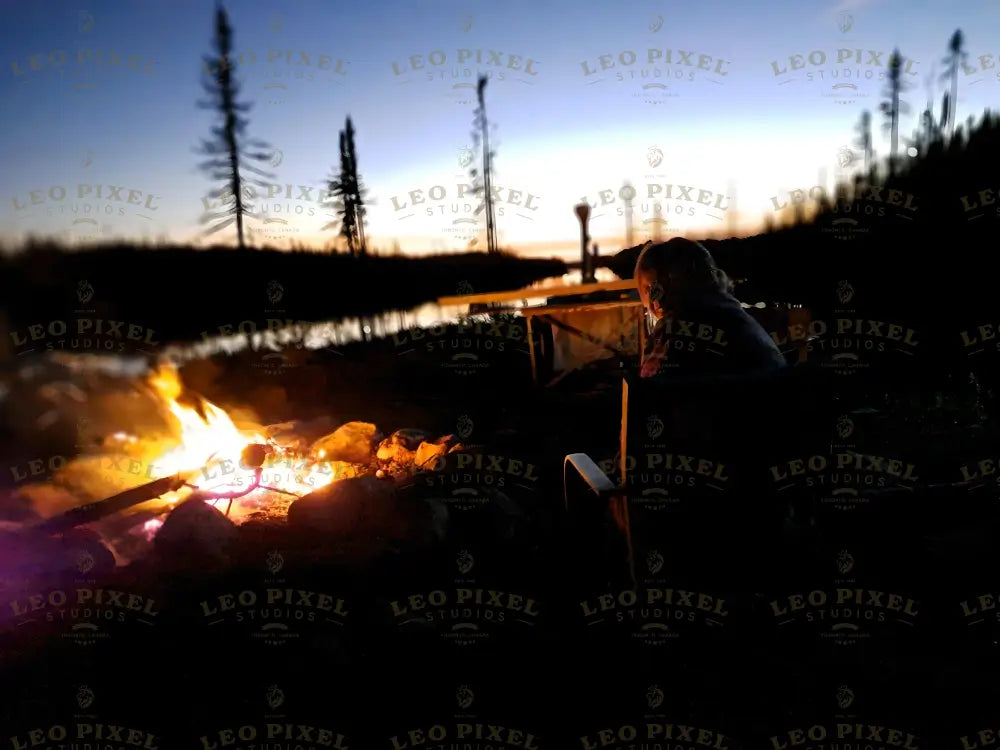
<point x="277" y="156"/>
<point x="274" y="561"/>
<point x="465" y="157"/>
<point x="84" y="292"/>
<point x="654" y="697"/>
<point x="845" y="22"/>
<point x="845" y="696"/>
<point x="84" y="561"/>
<point x="274" y="696"/>
<point x="845" y="561"/>
<point x="464" y="287"/>
<point x="275" y="291"/>
<point x="466" y="24"/>
<point x="464" y="426"/>
<point x="654" y="561"/>
<point x="654" y="426"/>
<point x="845" y="427"/>
<point x="464" y="696"/>
<point x="85" y="21"/>
<point x="654" y="156"/>
<point x="276" y="23"/>
<point x="465" y="561"/>
<point x="656" y="23"/>
<point x="845" y="292"/>
<point x="85" y="697"/>
<point x="845" y="157"/>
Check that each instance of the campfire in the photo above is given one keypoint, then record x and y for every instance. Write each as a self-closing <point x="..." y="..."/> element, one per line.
<point x="129" y="488"/>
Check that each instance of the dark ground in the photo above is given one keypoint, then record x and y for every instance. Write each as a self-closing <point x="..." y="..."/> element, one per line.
<point x="558" y="678"/>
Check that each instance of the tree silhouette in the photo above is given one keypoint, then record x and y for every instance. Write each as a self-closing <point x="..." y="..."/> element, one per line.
<point x="481" y="137"/>
<point x="347" y="195"/>
<point x="864" y="140"/>
<point x="925" y="134"/>
<point x="227" y="149"/>
<point x="893" y="106"/>
<point x="928" y="132"/>
<point x="955" y="58"/>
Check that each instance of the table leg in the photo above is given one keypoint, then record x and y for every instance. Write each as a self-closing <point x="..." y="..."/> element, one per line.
<point x="531" y="351"/>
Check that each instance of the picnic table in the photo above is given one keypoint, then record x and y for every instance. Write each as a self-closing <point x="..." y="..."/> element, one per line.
<point x="576" y="312"/>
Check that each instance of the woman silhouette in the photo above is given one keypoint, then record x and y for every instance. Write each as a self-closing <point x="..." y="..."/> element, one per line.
<point x="700" y="327"/>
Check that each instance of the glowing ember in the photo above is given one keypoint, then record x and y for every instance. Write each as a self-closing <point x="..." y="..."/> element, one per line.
<point x="150" y="528"/>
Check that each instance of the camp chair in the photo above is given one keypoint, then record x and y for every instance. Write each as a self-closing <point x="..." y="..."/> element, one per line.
<point x="745" y="421"/>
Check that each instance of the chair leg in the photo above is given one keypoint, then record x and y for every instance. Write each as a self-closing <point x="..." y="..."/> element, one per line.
<point x="618" y="505"/>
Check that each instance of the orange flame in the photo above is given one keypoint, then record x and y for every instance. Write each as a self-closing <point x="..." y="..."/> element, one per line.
<point x="210" y="456"/>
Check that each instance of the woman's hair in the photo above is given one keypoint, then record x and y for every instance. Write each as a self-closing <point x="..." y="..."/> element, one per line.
<point x="683" y="268"/>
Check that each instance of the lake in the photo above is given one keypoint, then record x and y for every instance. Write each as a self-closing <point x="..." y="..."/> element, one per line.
<point x="338" y="333"/>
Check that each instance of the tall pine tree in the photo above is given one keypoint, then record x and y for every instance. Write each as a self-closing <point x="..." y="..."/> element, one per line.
<point x="893" y="106"/>
<point x="348" y="195"/>
<point x="229" y="152"/>
<point x="483" y="184"/>
<point x="953" y="61"/>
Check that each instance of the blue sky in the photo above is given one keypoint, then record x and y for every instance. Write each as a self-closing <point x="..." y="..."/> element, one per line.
<point x="104" y="94"/>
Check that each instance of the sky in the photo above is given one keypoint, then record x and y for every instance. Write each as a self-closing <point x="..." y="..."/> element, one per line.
<point x="713" y="111"/>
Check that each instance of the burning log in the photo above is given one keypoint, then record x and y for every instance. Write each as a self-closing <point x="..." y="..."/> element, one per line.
<point x="94" y="511"/>
<point x="328" y="474"/>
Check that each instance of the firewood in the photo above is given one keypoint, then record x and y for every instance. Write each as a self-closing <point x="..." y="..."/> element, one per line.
<point x="94" y="511"/>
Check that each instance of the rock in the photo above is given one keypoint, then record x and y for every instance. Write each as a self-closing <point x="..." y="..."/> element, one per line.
<point x="195" y="535"/>
<point x="32" y="559"/>
<point x="450" y="442"/>
<point x="401" y="446"/>
<point x="428" y="453"/>
<point x="437" y="524"/>
<point x="488" y="515"/>
<point x="394" y="452"/>
<point x="299" y="435"/>
<point x="16" y="508"/>
<point x="345" y="507"/>
<point x="368" y="508"/>
<point x="353" y="442"/>
<point x="408" y="438"/>
<point x="28" y="558"/>
<point x="87" y="555"/>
